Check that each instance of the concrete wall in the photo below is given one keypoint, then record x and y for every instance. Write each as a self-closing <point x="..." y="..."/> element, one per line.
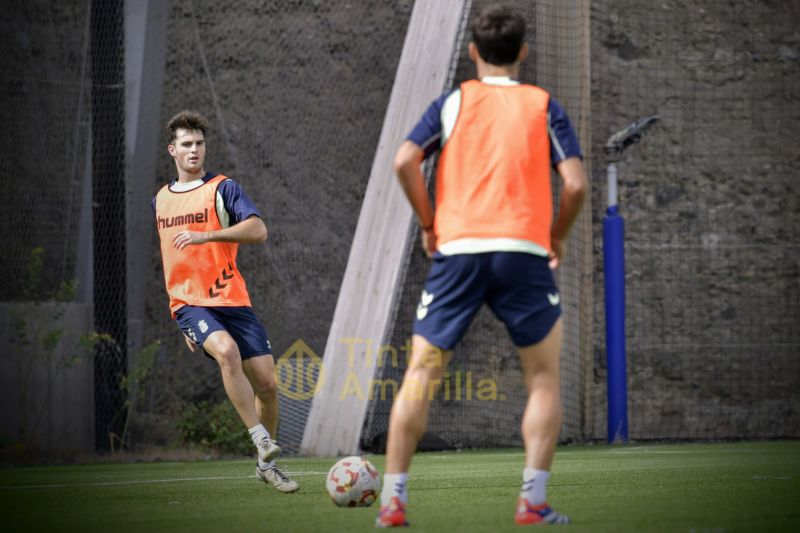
<point x="46" y="380"/>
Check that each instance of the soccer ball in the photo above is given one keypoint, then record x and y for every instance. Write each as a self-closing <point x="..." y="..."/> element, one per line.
<point x="353" y="482"/>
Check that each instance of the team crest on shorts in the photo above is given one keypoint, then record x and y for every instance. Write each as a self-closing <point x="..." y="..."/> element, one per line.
<point x="425" y="300"/>
<point x="203" y="326"/>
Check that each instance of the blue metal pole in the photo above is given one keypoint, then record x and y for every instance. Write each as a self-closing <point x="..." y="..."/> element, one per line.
<point x="614" y="273"/>
<point x="614" y="265"/>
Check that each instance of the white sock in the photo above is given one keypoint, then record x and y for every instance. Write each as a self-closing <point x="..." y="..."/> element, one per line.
<point x="395" y="485"/>
<point x="534" y="485"/>
<point x="258" y="433"/>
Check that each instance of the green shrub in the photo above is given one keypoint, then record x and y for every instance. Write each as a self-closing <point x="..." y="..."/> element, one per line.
<point x="216" y="426"/>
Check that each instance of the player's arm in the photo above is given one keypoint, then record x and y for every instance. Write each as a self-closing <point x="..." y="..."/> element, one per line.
<point x="251" y="230"/>
<point x="565" y="152"/>
<point x="407" y="167"/>
<point x="423" y="141"/>
<point x="241" y="220"/>
<point x="575" y="185"/>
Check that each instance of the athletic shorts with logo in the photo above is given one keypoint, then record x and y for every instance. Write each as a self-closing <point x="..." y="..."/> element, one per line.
<point x="241" y="323"/>
<point x="518" y="287"/>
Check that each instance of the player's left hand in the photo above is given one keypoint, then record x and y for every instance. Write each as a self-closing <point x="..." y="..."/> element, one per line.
<point x="186" y="237"/>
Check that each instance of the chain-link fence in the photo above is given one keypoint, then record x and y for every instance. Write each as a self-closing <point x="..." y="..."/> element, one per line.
<point x="107" y="58"/>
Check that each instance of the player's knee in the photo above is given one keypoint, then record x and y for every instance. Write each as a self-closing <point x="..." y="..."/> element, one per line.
<point x="541" y="418"/>
<point x="227" y="355"/>
<point x="420" y="384"/>
<point x="266" y="388"/>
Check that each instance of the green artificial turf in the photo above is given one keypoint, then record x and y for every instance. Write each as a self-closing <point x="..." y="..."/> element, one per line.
<point x="751" y="486"/>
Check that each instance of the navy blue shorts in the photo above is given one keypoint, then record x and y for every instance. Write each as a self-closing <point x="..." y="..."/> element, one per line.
<point x="241" y="323"/>
<point x="518" y="287"/>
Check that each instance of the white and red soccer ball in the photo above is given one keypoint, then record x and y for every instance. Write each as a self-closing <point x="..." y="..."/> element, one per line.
<point x="353" y="482"/>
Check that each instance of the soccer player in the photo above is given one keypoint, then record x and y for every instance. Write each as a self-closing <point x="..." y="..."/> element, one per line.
<point x="492" y="240"/>
<point x="201" y="219"/>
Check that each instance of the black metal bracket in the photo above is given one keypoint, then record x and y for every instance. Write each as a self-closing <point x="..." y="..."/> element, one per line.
<point x="626" y="137"/>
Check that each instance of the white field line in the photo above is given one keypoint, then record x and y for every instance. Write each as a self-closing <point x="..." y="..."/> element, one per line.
<point x="627" y="451"/>
<point x="631" y="451"/>
<point x="145" y="481"/>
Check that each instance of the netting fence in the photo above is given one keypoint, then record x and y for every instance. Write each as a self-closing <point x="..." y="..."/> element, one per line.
<point x="711" y="202"/>
<point x="107" y="60"/>
<point x="45" y="112"/>
<point x="63" y="94"/>
<point x="296" y="92"/>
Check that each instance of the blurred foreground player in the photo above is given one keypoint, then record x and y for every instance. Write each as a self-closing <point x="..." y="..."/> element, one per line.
<point x="492" y="240"/>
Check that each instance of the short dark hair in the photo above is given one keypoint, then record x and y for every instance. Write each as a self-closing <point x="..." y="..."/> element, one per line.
<point x="498" y="33"/>
<point x="187" y="120"/>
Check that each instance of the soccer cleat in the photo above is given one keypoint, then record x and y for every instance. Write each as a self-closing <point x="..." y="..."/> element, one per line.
<point x="537" y="514"/>
<point x="276" y="478"/>
<point x="268" y="450"/>
<point x="392" y="515"/>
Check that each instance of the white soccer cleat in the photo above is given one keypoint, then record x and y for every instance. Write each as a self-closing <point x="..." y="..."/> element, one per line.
<point x="276" y="478"/>
<point x="268" y="450"/>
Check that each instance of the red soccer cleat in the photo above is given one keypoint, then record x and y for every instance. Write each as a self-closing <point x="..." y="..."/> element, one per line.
<point x="528" y="514"/>
<point x="392" y="515"/>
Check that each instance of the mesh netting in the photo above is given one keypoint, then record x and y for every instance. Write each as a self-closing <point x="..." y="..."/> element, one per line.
<point x="108" y="198"/>
<point x="711" y="201"/>
<point x="296" y="93"/>
<point x="45" y="96"/>
<point x="483" y="387"/>
<point x="64" y="120"/>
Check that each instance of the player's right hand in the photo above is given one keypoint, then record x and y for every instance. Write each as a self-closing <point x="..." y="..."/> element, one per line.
<point x="556" y="253"/>
<point x="190" y="343"/>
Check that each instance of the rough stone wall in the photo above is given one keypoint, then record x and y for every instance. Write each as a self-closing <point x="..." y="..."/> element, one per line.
<point x="712" y="205"/>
